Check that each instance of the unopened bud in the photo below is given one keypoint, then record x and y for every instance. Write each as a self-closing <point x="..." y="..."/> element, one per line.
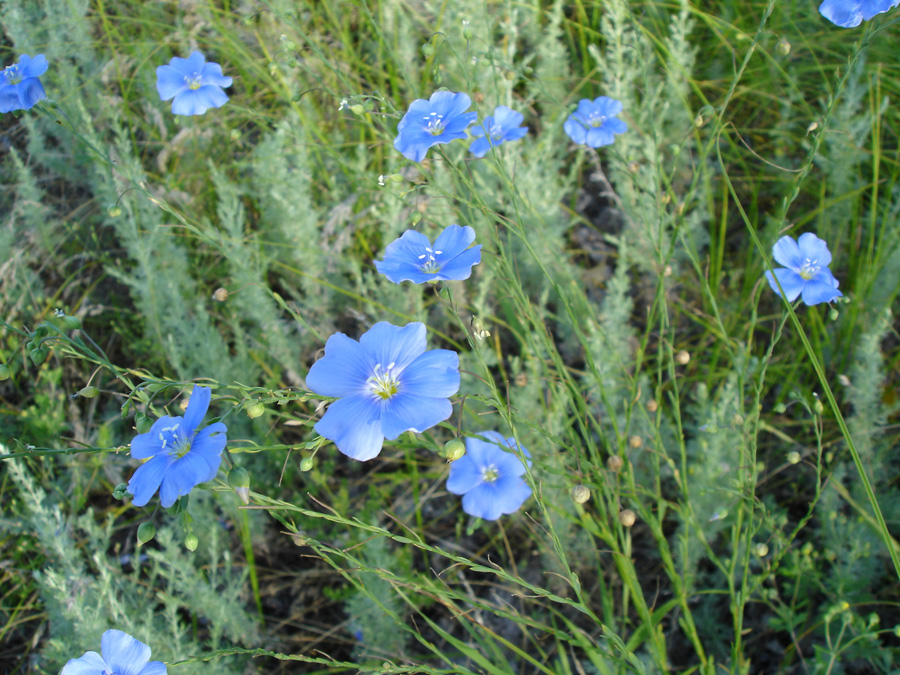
<point x="146" y="532"/>
<point x="120" y="491"/>
<point x="844" y="380"/>
<point x="4" y="372"/>
<point x="738" y="420"/>
<point x="220" y="295"/>
<point x="114" y="211"/>
<point x="652" y="406"/>
<point x="466" y="30"/>
<point x="682" y="357"/>
<point x="793" y="457"/>
<point x="818" y="407"/>
<point x="833" y="314"/>
<point x="254" y="410"/>
<point x="38" y="355"/>
<point x="88" y="392"/>
<point x="71" y="322"/>
<point x="453" y="450"/>
<point x="191" y="542"/>
<point x="427" y="49"/>
<point x="761" y="550"/>
<point x="779" y="409"/>
<point x="783" y="48"/>
<point x="306" y="464"/>
<point x="239" y="479"/>
<point x="142" y="423"/>
<point x="614" y="463"/>
<point x="635" y="442"/>
<point x="627" y="518"/>
<point x="580" y="494"/>
<point x="357" y="109"/>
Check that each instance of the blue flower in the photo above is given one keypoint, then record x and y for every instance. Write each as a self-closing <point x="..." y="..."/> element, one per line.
<point x="502" y="127"/>
<point x="122" y="655"/>
<point x="20" y="87"/>
<point x="195" y="84"/>
<point x="385" y="384"/>
<point x="413" y="258"/>
<point x="489" y="477"/>
<point x="850" y="13"/>
<point x="594" y="123"/>
<point x="440" y="119"/>
<point x="180" y="456"/>
<point x="805" y="270"/>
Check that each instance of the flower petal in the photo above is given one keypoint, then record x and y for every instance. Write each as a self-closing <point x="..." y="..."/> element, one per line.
<point x="209" y="444"/>
<point x="815" y="249"/>
<point x="156" y="440"/>
<point x="787" y="253"/>
<point x="615" y="125"/>
<point x="169" y="82"/>
<point x="184" y="475"/>
<point x="454" y="239"/>
<point x="820" y="289"/>
<point x="211" y="73"/>
<point x="30" y="92"/>
<point x="434" y="374"/>
<point x="482" y="502"/>
<point x="599" y="136"/>
<point x="506" y="117"/>
<point x="511" y="493"/>
<point x="791" y="282"/>
<point x="145" y="481"/>
<point x="482" y="128"/>
<point x="465" y="475"/>
<point x="460" y="267"/>
<point x="449" y="104"/>
<point x="844" y="13"/>
<point x="32" y="67"/>
<point x="154" y="668"/>
<point x="480" y="146"/>
<point x="386" y="344"/>
<point x="607" y="107"/>
<point x="9" y="98"/>
<point x="354" y="424"/>
<point x="198" y="404"/>
<point x="873" y="7"/>
<point x="519" y="132"/>
<point x="575" y="130"/>
<point x="343" y="370"/>
<point x="124" y="654"/>
<point x="408" y="412"/>
<point x="91" y="663"/>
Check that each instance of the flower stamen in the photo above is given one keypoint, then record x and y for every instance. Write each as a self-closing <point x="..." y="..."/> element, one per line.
<point x="193" y="81"/>
<point x="809" y="268"/>
<point x="384" y="383"/>
<point x="431" y="265"/>
<point x="489" y="474"/>
<point x="12" y="74"/>
<point x="434" y="124"/>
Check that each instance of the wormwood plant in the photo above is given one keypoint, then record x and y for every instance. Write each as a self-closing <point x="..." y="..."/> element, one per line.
<point x="617" y="428"/>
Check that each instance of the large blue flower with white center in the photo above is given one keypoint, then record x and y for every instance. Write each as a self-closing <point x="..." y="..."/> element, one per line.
<point x="489" y="476"/>
<point x="180" y="456"/>
<point x="20" y="87"/>
<point x="121" y="655"/>
<point x="385" y="384"/>
<point x="412" y="257"/>
<point x="440" y="119"/>
<point x="594" y="123"/>
<point x="501" y="128"/>
<point x="805" y="270"/>
<point x="850" y="13"/>
<point x="195" y="85"/>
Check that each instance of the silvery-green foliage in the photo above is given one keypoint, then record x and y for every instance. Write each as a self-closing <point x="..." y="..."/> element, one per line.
<point x="86" y="587"/>
<point x="551" y="65"/>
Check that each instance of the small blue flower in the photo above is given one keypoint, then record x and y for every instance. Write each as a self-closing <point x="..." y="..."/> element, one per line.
<point x="489" y="477"/>
<point x="502" y="127"/>
<point x="122" y="655"/>
<point x="805" y="270"/>
<point x="385" y="384"/>
<point x="20" y="87"/>
<point x="180" y="457"/>
<point x="851" y="13"/>
<point x="594" y="123"/>
<point x="440" y="119"/>
<point x="413" y="258"/>
<point x="195" y="84"/>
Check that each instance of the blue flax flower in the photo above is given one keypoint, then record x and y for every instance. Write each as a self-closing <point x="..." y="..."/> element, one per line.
<point x="195" y="84"/>
<point x="180" y="456"/>
<point x="594" y="123"/>
<point x="385" y="384"/>
<point x="805" y="270"/>
<point x="122" y="655"/>
<point x="20" y="87"/>
<point x="502" y="127"/>
<point x="413" y="258"/>
<point x="440" y="119"/>
<point x="850" y="13"/>
<point x="489" y="477"/>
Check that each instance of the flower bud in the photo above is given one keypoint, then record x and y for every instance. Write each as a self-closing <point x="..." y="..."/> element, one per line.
<point x="191" y="542"/>
<point x="38" y="355"/>
<point x="254" y="410"/>
<point x="818" y="407"/>
<point x="88" y="392"/>
<point x="239" y="479"/>
<point x="357" y="109"/>
<point x="793" y="457"/>
<point x="466" y="30"/>
<point x="652" y="406"/>
<point x="427" y="49"/>
<point x="220" y="295"/>
<point x="142" y="423"/>
<point x="627" y="518"/>
<point x="120" y="491"/>
<point x="614" y="463"/>
<point x="761" y="550"/>
<point x="4" y="372"/>
<point x="783" y="47"/>
<point x="71" y="322"/>
<point x="682" y="357"/>
<point x="635" y="442"/>
<point x="580" y="494"/>
<point x="306" y="464"/>
<point x="113" y="211"/>
<point x="453" y="450"/>
<point x="146" y="532"/>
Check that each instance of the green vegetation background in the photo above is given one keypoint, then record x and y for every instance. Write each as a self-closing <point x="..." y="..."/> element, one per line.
<point x="755" y="548"/>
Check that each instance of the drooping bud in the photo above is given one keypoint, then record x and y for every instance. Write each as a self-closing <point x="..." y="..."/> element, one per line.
<point x="191" y="542"/>
<point x="761" y="550"/>
<point x="627" y="518"/>
<point x="220" y="295"/>
<point x="38" y="355"/>
<point x="142" y="423"/>
<point x="239" y="479"/>
<point x="146" y="532"/>
<point x="4" y="372"/>
<point x="254" y="410"/>
<point x="306" y="464"/>
<point x="580" y="494"/>
<point x="614" y="463"/>
<point x="783" y="47"/>
<point x="453" y="450"/>
<point x="88" y="392"/>
<point x="120" y="491"/>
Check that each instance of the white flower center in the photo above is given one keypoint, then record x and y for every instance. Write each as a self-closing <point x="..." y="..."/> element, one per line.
<point x="180" y="446"/>
<point x="384" y="382"/>
<point x="193" y="81"/>
<point x="809" y="268"/>
<point x="596" y="120"/>
<point x="12" y="74"/>
<point x="489" y="474"/>
<point x="496" y="132"/>
<point x="434" y="124"/>
<point x="431" y="265"/>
